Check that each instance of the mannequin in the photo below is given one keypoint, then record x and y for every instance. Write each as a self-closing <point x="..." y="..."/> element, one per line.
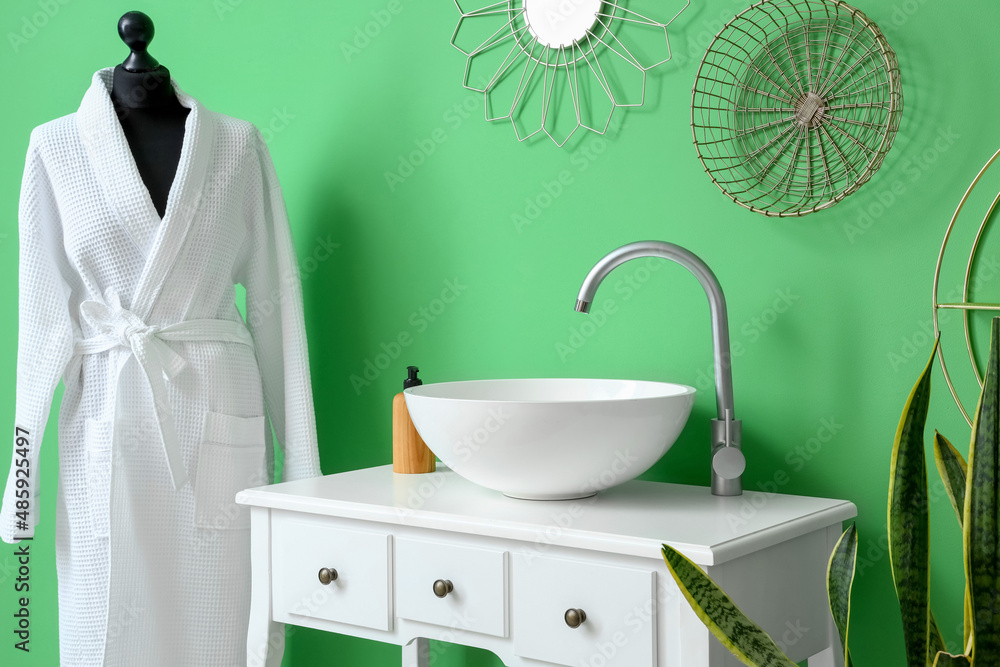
<point x="150" y="114"/>
<point x="173" y="401"/>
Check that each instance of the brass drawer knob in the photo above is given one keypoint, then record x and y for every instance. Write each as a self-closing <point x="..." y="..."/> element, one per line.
<point x="327" y="575"/>
<point x="442" y="587"/>
<point x="575" y="617"/>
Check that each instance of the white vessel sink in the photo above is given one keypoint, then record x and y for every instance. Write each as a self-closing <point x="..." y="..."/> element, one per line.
<point x="549" y="439"/>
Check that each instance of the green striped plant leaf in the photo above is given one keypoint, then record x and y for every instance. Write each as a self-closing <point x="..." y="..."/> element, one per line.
<point x="953" y="470"/>
<point x="982" y="502"/>
<point x="721" y="616"/>
<point x="949" y="660"/>
<point x="935" y="643"/>
<point x="839" y="581"/>
<point x="908" y="520"/>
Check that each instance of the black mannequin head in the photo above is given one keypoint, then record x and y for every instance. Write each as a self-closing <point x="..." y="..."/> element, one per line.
<point x="141" y="82"/>
<point x="136" y="30"/>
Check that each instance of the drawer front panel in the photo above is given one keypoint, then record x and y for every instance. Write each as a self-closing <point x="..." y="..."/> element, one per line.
<point x="478" y="599"/>
<point x="619" y="603"/>
<point x="361" y="593"/>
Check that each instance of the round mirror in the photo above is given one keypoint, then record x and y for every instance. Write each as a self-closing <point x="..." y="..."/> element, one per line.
<point x="560" y="23"/>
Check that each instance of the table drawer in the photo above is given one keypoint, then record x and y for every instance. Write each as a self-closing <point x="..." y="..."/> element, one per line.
<point x="477" y="599"/>
<point x="619" y="604"/>
<point x="361" y="592"/>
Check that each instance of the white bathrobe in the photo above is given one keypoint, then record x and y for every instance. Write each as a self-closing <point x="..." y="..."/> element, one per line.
<point x="169" y="398"/>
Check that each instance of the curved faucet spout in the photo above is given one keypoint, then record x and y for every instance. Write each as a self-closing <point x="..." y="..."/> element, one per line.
<point x="727" y="460"/>
<point x="716" y="300"/>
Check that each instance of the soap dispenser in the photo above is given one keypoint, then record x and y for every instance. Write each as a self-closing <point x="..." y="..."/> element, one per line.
<point x="409" y="453"/>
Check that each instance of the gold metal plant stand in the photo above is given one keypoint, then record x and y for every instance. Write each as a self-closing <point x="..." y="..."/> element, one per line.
<point x="964" y="305"/>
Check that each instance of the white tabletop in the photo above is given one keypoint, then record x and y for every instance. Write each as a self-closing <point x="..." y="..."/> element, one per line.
<point x="634" y="518"/>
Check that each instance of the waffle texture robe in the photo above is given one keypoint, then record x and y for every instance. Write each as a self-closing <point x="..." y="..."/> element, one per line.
<point x="169" y="396"/>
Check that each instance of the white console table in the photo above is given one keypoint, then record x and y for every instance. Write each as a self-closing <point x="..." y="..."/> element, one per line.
<point x="407" y="558"/>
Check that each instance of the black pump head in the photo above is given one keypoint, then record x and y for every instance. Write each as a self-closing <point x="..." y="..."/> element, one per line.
<point x="136" y="30"/>
<point x="411" y="378"/>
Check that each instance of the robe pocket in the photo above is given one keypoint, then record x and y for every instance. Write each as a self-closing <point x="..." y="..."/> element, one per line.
<point x="231" y="458"/>
<point x="98" y="447"/>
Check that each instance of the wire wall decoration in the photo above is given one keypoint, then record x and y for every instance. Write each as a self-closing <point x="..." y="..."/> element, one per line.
<point x="554" y="66"/>
<point x="966" y="306"/>
<point x="795" y="105"/>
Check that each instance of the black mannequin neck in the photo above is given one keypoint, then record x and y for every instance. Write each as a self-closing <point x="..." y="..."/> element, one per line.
<point x="143" y="90"/>
<point x="153" y="120"/>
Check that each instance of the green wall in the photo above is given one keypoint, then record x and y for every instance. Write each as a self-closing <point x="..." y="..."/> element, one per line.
<point x="856" y="278"/>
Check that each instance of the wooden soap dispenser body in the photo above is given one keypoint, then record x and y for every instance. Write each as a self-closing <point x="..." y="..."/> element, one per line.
<point x="410" y="455"/>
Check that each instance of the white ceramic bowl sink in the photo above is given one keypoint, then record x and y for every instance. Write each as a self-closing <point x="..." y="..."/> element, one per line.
<point x="549" y="439"/>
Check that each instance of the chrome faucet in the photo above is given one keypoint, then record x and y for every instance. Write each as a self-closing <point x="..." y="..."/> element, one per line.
<point x="728" y="462"/>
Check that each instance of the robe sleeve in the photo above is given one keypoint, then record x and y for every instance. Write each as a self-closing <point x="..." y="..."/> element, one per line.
<point x="44" y="347"/>
<point x="276" y="322"/>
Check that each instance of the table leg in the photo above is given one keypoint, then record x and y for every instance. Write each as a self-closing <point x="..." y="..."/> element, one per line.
<point x="417" y="653"/>
<point x="265" y="638"/>
<point x="833" y="656"/>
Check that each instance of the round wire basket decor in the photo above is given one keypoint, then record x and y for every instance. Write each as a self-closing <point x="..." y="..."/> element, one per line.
<point x="795" y="105"/>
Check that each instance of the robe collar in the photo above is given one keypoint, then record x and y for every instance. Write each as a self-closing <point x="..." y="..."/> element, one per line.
<point x="111" y="158"/>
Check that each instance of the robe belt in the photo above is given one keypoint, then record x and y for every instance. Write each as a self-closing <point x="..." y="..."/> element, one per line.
<point x="118" y="327"/>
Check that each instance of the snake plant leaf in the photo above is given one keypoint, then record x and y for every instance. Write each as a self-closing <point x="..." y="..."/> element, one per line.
<point x="953" y="470"/>
<point x="967" y="621"/>
<point x="751" y="645"/>
<point x="908" y="521"/>
<point x="839" y="581"/>
<point x="982" y="507"/>
<point x="948" y="660"/>
<point x="935" y="643"/>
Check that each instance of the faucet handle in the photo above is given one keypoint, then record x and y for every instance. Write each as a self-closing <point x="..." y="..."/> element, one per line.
<point x="729" y="463"/>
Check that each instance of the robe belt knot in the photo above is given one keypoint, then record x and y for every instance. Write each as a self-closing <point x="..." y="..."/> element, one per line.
<point x="118" y="327"/>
